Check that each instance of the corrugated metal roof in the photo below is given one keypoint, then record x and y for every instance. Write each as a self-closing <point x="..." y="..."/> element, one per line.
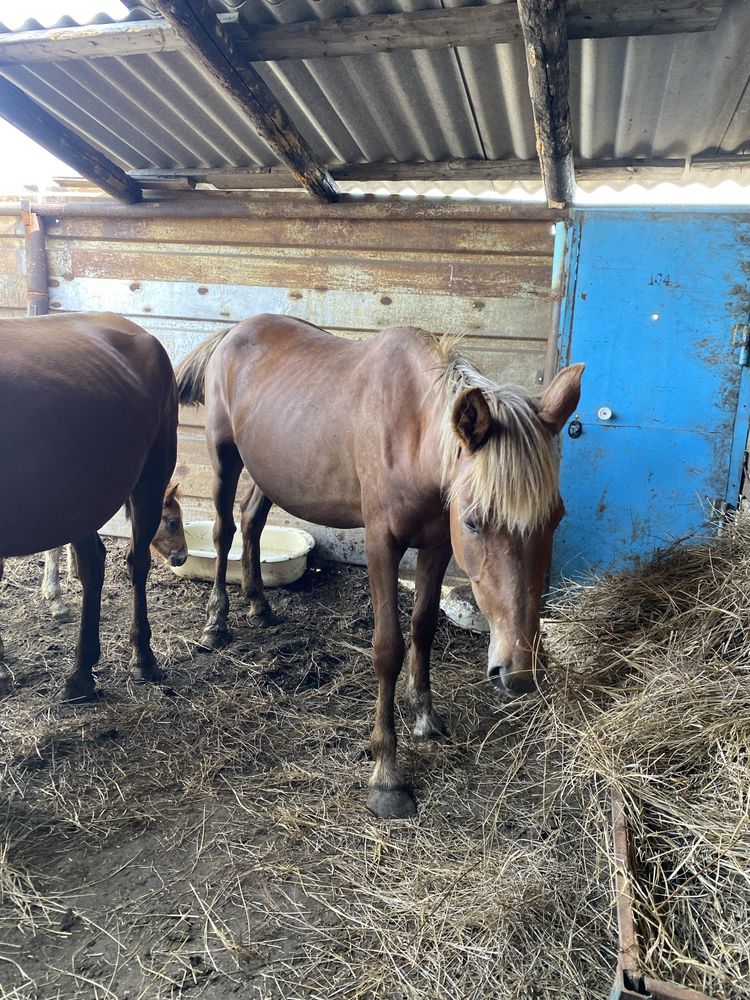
<point x="666" y="96"/>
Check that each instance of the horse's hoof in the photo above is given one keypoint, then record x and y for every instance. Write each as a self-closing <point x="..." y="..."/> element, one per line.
<point x="78" y="689"/>
<point x="429" y="726"/>
<point x="391" y="803"/>
<point x="264" y="619"/>
<point x="60" y="612"/>
<point x="213" y="639"/>
<point x="146" y="673"/>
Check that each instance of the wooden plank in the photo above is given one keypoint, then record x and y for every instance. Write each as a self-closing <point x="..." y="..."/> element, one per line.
<point x="384" y="276"/>
<point x="492" y="24"/>
<point x="545" y="35"/>
<point x="20" y="110"/>
<point x="212" y="47"/>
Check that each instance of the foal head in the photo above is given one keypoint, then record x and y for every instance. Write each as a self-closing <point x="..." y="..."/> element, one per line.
<point x="502" y="488"/>
<point x="169" y="540"/>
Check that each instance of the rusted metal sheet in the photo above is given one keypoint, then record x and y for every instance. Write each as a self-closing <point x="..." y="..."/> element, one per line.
<point x="481" y="236"/>
<point x="382" y="271"/>
<point x="12" y="267"/>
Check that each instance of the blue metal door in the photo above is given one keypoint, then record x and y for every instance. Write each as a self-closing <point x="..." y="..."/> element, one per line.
<point x="657" y="305"/>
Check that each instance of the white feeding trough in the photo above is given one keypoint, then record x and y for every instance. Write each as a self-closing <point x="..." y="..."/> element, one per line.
<point x="283" y="554"/>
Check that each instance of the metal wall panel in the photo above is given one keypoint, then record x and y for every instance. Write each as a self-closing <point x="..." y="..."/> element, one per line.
<point x="12" y="268"/>
<point x="488" y="278"/>
<point x="657" y="307"/>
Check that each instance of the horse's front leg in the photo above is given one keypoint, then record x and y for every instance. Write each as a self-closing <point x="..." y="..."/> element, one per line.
<point x="227" y="468"/>
<point x="389" y="796"/>
<point x="51" y="584"/>
<point x="255" y="507"/>
<point x="90" y="555"/>
<point x="431" y="566"/>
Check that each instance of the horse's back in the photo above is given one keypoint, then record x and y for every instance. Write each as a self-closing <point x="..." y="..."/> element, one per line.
<point x="315" y="416"/>
<point x="82" y="399"/>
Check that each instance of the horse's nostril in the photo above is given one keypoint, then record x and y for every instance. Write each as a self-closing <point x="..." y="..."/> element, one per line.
<point x="510" y="681"/>
<point x="178" y="558"/>
<point x="495" y="674"/>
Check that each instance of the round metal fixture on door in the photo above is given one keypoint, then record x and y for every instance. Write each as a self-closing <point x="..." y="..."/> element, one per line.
<point x="575" y="428"/>
<point x="604" y="413"/>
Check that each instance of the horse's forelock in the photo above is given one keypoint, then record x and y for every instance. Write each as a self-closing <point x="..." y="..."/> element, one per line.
<point x="513" y="478"/>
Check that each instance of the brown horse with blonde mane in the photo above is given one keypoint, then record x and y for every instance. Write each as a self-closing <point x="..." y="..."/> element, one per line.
<point x="88" y="421"/>
<point x="402" y="435"/>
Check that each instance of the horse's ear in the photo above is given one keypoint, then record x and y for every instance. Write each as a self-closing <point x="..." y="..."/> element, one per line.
<point x="472" y="418"/>
<point x="560" y="398"/>
<point x="170" y="494"/>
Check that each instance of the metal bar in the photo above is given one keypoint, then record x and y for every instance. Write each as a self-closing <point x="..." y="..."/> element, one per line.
<point x="629" y="954"/>
<point x="661" y="990"/>
<point x="197" y="206"/>
<point x="560" y="263"/>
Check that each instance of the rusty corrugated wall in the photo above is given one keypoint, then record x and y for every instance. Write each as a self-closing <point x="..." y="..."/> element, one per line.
<point x="480" y="270"/>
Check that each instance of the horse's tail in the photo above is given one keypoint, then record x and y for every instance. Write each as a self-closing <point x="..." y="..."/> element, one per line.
<point x="191" y="371"/>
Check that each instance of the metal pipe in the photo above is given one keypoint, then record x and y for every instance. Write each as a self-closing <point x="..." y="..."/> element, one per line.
<point x="629" y="956"/>
<point x="219" y="206"/>
<point x="37" y="275"/>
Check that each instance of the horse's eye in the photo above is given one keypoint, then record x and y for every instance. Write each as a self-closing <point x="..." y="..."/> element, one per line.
<point x="472" y="526"/>
<point x="173" y="524"/>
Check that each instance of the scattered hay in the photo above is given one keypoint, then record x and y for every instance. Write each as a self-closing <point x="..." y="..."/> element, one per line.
<point x="211" y="835"/>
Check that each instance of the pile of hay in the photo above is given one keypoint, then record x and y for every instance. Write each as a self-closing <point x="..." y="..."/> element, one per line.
<point x="211" y="836"/>
<point x="654" y="699"/>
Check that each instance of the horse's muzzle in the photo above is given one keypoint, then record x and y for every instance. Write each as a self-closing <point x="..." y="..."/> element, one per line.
<point x="511" y="681"/>
<point x="178" y="558"/>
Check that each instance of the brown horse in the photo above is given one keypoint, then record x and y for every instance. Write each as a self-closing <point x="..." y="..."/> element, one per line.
<point x="88" y="403"/>
<point x="168" y="542"/>
<point x="403" y="436"/>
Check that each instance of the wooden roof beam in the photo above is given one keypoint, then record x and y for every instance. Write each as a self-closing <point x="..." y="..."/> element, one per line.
<point x="38" y="124"/>
<point x="635" y="169"/>
<point x="210" y="44"/>
<point x="451" y="27"/>
<point x="546" y="40"/>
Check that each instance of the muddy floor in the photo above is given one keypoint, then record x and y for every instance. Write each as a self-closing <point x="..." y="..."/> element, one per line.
<point x="208" y="836"/>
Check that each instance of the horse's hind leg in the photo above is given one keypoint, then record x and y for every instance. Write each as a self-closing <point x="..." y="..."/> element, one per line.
<point x="255" y="507"/>
<point x="431" y="566"/>
<point x="90" y="554"/>
<point x="145" y="511"/>
<point x="6" y="678"/>
<point x="227" y="468"/>
<point x="51" y="584"/>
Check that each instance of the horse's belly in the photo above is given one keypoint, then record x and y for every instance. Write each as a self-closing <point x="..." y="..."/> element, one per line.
<point x="66" y="486"/>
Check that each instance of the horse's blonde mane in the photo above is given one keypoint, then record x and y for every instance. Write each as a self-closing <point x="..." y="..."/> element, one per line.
<point x="513" y="479"/>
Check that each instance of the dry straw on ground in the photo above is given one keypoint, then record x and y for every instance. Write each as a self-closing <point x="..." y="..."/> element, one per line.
<point x="210" y="836"/>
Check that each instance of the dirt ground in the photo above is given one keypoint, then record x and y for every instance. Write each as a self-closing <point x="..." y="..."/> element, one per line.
<point x="209" y="837"/>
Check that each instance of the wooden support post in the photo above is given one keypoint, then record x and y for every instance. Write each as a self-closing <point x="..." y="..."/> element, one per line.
<point x="28" y="117"/>
<point x="210" y="43"/>
<point x="546" y="38"/>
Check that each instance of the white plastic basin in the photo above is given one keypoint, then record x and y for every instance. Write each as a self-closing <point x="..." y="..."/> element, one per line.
<point x="283" y="554"/>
